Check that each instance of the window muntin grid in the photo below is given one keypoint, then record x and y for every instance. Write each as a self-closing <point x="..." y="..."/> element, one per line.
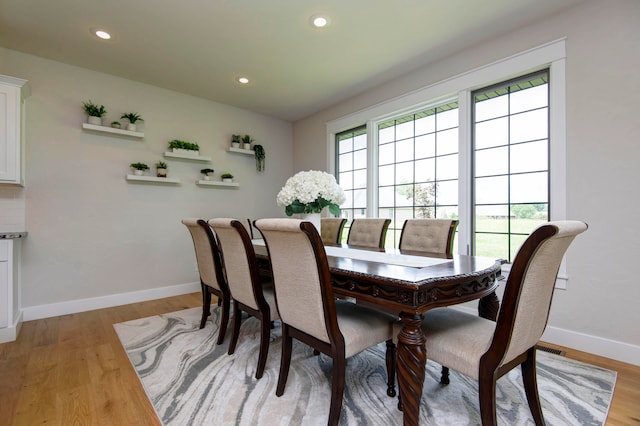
<point x="418" y="167"/>
<point x="510" y="163"/>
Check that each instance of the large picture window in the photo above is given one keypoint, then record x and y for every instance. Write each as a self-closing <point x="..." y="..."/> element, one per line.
<point x="351" y="159"/>
<point x="418" y="167"/>
<point x="486" y="150"/>
<point x="511" y="163"/>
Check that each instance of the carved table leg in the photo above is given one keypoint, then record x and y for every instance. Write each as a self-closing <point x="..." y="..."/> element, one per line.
<point x="489" y="306"/>
<point x="412" y="357"/>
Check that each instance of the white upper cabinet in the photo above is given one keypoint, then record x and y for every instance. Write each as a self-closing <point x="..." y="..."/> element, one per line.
<point x="13" y="92"/>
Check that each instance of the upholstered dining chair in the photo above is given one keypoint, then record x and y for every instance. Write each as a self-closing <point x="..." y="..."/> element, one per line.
<point x="309" y="312"/>
<point x="212" y="279"/>
<point x="368" y="232"/>
<point x="246" y="288"/>
<point x="428" y="235"/>
<point x="485" y="350"/>
<point x="331" y="229"/>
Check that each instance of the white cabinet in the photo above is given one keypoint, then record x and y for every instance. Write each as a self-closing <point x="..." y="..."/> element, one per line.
<point x="10" y="316"/>
<point x="13" y="92"/>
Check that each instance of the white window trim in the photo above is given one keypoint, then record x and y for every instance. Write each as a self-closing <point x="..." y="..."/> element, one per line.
<point x="551" y="55"/>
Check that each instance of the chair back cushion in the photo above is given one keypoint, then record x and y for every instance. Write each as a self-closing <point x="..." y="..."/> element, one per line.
<point x="428" y="235"/>
<point x="296" y="277"/>
<point x="236" y="260"/>
<point x="529" y="288"/>
<point x="367" y="232"/>
<point x="331" y="229"/>
<point x="205" y="244"/>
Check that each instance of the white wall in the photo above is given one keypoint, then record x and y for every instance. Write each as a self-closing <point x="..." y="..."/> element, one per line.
<point x="598" y="312"/>
<point x="93" y="234"/>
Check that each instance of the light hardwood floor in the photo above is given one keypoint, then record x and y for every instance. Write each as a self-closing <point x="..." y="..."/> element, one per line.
<point x="72" y="370"/>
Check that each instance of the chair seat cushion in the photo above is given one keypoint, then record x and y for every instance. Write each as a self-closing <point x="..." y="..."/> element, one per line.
<point x="362" y="327"/>
<point x="455" y="339"/>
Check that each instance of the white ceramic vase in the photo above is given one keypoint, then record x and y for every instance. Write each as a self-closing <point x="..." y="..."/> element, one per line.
<point x="96" y="121"/>
<point x="313" y="218"/>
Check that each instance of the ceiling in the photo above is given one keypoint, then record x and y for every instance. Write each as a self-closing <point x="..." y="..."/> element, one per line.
<point x="200" y="47"/>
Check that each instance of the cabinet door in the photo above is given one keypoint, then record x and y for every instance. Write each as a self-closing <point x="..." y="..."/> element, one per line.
<point x="9" y="134"/>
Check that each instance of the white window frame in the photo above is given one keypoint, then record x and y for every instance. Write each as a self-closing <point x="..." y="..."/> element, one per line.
<point x="551" y="55"/>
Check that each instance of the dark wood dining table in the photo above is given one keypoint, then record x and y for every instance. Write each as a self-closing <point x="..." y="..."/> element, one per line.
<point x="393" y="281"/>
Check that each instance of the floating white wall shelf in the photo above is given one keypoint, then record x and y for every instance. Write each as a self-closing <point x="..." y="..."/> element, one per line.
<point x="241" y="151"/>
<point x="216" y="183"/>
<point x="170" y="154"/>
<point x="105" y="129"/>
<point x="152" y="179"/>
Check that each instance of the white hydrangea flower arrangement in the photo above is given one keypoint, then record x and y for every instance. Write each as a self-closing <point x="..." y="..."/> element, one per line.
<point x="310" y="192"/>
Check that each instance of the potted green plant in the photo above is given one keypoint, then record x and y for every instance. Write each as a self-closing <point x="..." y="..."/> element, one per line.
<point x="161" y="169"/>
<point x="94" y="112"/>
<point x="235" y="141"/>
<point x="116" y="124"/>
<point x="246" y="141"/>
<point x="258" y="152"/>
<point x="207" y="173"/>
<point x="139" y="168"/>
<point x="133" y="118"/>
<point x="184" y="147"/>
<point x="226" y="177"/>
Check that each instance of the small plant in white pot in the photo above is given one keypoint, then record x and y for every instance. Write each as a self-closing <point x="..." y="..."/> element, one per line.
<point x="94" y="112"/>
<point x="139" y="168"/>
<point x="133" y="119"/>
<point x="116" y="124"/>
<point x="226" y="177"/>
<point x="235" y="141"/>
<point x="207" y="173"/>
<point x="247" y="140"/>
<point x="161" y="169"/>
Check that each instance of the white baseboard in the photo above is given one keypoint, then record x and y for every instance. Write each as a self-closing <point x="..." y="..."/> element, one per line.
<point x="82" y="305"/>
<point x="600" y="346"/>
<point x="10" y="334"/>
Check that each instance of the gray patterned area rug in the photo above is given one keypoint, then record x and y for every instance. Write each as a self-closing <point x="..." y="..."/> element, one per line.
<point x="192" y="381"/>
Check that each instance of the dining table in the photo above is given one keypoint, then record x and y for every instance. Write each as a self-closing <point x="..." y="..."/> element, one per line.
<point x="408" y="284"/>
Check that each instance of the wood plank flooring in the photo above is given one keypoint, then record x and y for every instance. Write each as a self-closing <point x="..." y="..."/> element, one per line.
<point x="72" y="370"/>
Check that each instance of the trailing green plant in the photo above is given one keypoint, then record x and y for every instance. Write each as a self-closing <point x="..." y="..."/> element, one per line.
<point x="132" y="117"/>
<point x="161" y="165"/>
<point x="178" y="144"/>
<point x="226" y="176"/>
<point x="93" y="110"/>
<point x="206" y="171"/>
<point x="258" y="151"/>
<point x="139" y="166"/>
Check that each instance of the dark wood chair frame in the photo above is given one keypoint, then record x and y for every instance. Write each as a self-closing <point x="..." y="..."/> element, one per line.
<point x="336" y="348"/>
<point x="224" y="295"/>
<point x="490" y="370"/>
<point x="264" y="311"/>
<point x="383" y="233"/>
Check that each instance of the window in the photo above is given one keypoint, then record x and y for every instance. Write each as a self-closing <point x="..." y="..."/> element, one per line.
<point x="511" y="164"/>
<point x="505" y="175"/>
<point x="352" y="173"/>
<point x="418" y="167"/>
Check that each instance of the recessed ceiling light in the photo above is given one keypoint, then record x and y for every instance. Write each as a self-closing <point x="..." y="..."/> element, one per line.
<point x="100" y="34"/>
<point x="319" y="21"/>
<point x="242" y="80"/>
